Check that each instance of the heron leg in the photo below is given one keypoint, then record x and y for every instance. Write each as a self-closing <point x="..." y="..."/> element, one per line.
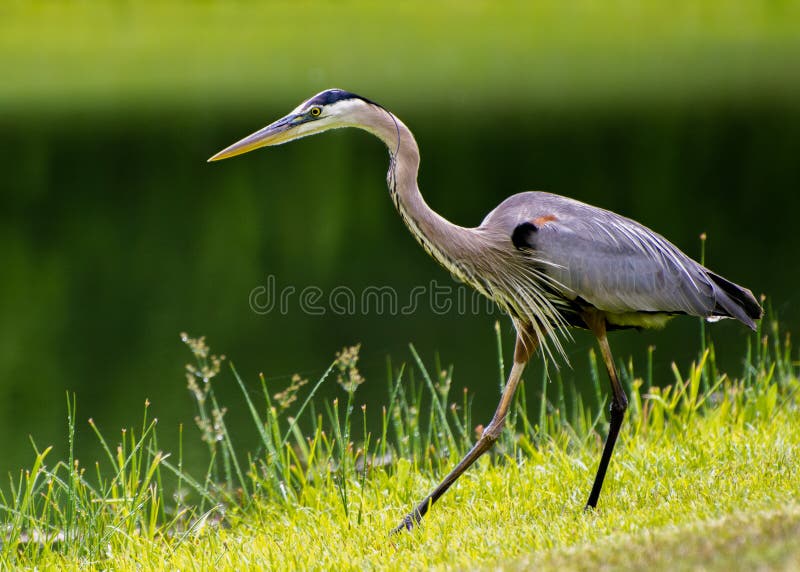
<point x="490" y="434"/>
<point x="619" y="403"/>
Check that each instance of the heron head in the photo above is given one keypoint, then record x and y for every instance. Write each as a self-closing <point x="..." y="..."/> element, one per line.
<point x="329" y="109"/>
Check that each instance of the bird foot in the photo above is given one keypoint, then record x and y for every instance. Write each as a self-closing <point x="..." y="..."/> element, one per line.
<point x="409" y="522"/>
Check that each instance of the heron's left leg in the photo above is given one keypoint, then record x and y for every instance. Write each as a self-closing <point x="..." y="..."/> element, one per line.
<point x="619" y="403"/>
<point x="490" y="434"/>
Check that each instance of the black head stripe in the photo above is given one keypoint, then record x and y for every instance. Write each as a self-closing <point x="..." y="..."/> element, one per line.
<point x="333" y="95"/>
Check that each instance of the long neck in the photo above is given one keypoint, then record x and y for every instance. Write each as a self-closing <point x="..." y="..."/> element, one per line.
<point x="448" y="243"/>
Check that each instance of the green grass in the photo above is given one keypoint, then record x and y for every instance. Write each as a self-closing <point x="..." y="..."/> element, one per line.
<point x="701" y="478"/>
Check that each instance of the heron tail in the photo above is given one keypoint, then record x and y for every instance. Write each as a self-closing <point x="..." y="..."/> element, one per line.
<point x="735" y="301"/>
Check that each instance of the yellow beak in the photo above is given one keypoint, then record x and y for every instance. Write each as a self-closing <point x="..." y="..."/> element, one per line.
<point x="273" y="134"/>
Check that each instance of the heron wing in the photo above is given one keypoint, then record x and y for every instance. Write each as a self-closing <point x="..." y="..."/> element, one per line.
<point x="615" y="263"/>
<point x="618" y="267"/>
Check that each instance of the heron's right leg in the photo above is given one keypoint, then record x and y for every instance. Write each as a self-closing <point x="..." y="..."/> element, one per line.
<point x="619" y="403"/>
<point x="490" y="434"/>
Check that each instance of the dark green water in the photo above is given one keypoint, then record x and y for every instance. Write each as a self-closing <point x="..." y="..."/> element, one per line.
<point x="115" y="235"/>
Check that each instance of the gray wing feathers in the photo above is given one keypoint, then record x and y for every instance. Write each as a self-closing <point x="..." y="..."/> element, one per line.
<point x="733" y="300"/>
<point x="617" y="264"/>
<point x="627" y="271"/>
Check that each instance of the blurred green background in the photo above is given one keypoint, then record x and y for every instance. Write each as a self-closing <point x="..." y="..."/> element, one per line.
<point x="115" y="235"/>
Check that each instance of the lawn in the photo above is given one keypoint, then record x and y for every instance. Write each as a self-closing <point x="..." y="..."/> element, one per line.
<point x="704" y="477"/>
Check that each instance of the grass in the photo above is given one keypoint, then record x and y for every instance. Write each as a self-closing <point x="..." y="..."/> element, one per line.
<point x="704" y="477"/>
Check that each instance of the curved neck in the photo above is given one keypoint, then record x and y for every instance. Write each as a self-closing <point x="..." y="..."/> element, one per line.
<point x="446" y="242"/>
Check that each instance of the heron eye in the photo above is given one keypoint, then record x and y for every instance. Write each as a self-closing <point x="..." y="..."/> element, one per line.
<point x="315" y="111"/>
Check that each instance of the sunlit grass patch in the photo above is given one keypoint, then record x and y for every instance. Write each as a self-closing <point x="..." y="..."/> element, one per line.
<point x="705" y="467"/>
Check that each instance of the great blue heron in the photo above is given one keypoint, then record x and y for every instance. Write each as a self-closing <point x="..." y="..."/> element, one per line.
<point x="548" y="261"/>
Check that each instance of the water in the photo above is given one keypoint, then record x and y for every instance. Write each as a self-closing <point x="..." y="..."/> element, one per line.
<point x="115" y="236"/>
